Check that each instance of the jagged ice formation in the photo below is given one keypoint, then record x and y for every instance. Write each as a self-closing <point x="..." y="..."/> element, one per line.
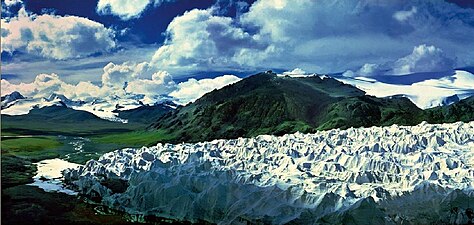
<point x="377" y="175"/>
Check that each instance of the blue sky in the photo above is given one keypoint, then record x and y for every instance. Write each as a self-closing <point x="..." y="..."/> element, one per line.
<point x="77" y="39"/>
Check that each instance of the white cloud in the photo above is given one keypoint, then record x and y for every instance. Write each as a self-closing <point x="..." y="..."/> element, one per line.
<point x="296" y="71"/>
<point x="367" y="70"/>
<point x="24" y="88"/>
<point x="161" y="84"/>
<point x="370" y="69"/>
<point x="199" y="39"/>
<point x="118" y="75"/>
<point x="404" y="15"/>
<point x="87" y="91"/>
<point x="43" y="86"/>
<point x="193" y="89"/>
<point x="46" y="84"/>
<point x="126" y="9"/>
<point x="127" y="81"/>
<point x="56" y="37"/>
<point x="424" y="58"/>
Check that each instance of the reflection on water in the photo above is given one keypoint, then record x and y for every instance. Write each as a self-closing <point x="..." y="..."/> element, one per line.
<point x="75" y="151"/>
<point x="49" y="177"/>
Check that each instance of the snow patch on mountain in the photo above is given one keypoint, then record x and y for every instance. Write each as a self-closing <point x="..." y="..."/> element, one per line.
<point x="378" y="175"/>
<point x="425" y="93"/>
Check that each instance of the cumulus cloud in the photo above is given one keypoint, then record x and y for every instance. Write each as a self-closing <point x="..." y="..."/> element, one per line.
<point x="370" y="69"/>
<point x="424" y="58"/>
<point x="306" y="34"/>
<point x="43" y="86"/>
<point x="193" y="89"/>
<point x="131" y="78"/>
<point x="55" y="37"/>
<point x="118" y="75"/>
<point x="126" y="9"/>
<point x="121" y="81"/>
<point x="46" y="84"/>
<point x="199" y="39"/>
<point x="161" y="83"/>
<point x="295" y="71"/>
<point x="24" y="88"/>
<point x="367" y="70"/>
<point x="87" y="91"/>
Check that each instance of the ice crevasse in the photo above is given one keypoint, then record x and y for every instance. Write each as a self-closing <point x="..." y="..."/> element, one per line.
<point x="379" y="175"/>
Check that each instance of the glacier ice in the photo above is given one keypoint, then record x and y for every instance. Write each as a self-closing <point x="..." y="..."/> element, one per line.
<point x="378" y="175"/>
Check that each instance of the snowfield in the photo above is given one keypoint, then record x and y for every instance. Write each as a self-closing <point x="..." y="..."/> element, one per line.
<point x="425" y="90"/>
<point x="379" y="175"/>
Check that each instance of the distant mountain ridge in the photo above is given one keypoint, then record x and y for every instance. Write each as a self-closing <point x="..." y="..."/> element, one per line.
<point x="15" y="104"/>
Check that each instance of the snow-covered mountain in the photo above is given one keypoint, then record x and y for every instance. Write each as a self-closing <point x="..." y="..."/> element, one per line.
<point x="380" y="175"/>
<point x="10" y="99"/>
<point x="104" y="108"/>
<point x="426" y="90"/>
<point x="23" y="106"/>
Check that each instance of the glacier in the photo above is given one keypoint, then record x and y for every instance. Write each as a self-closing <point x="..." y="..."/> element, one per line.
<point x="431" y="91"/>
<point x="421" y="174"/>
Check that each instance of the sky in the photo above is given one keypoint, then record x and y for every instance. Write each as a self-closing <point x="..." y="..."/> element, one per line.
<point x="159" y="42"/>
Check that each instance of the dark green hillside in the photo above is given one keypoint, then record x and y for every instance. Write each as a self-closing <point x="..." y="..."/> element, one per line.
<point x="367" y="111"/>
<point x="460" y="111"/>
<point x="269" y="104"/>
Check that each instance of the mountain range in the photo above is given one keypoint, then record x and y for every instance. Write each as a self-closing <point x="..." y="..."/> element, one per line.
<point x="265" y="103"/>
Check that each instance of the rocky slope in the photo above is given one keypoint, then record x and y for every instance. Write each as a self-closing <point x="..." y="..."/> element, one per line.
<point x="379" y="175"/>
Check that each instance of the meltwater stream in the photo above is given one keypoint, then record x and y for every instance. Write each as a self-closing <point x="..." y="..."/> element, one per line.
<point x="74" y="149"/>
